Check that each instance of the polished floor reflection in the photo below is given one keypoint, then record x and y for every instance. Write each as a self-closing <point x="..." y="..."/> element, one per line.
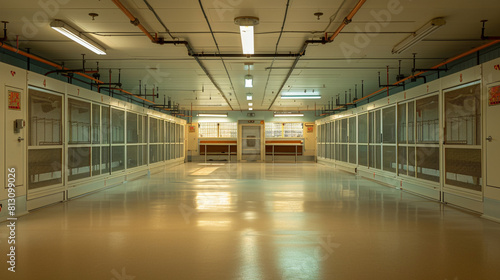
<point x="253" y="221"/>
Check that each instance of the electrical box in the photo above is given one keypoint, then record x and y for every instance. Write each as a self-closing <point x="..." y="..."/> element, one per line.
<point x="18" y="125"/>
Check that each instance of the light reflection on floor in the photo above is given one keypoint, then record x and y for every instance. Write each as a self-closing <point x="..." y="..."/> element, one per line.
<point x="253" y="221"/>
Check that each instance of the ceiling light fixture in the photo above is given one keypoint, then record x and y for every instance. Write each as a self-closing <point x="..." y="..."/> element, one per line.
<point x="288" y="114"/>
<point x="249" y="96"/>
<point x="419" y="35"/>
<point x="246" y="24"/>
<point x="77" y="36"/>
<point x="250" y="109"/>
<point x="300" y="96"/>
<point x="223" y="115"/>
<point x="250" y="104"/>
<point x="248" y="81"/>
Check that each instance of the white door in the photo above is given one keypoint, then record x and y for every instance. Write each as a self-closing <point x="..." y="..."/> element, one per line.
<point x="493" y="136"/>
<point x="15" y="145"/>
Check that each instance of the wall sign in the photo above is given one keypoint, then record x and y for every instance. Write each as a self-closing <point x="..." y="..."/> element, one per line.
<point x="14" y="100"/>
<point x="192" y="128"/>
<point x="494" y="96"/>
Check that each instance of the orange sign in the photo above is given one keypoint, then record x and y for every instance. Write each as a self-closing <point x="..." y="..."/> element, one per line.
<point x="14" y="100"/>
<point x="494" y="96"/>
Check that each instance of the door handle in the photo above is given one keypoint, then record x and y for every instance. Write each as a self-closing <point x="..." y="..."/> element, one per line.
<point x="19" y="139"/>
<point x="489" y="138"/>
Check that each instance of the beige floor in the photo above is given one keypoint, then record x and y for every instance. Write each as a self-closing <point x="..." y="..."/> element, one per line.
<point x="253" y="221"/>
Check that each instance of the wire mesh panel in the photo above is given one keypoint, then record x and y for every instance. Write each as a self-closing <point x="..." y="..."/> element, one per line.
<point x="45" y="129"/>
<point x="462" y="131"/>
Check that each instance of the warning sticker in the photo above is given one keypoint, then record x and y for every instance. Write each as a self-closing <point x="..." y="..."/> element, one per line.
<point x="494" y="96"/>
<point x="14" y="100"/>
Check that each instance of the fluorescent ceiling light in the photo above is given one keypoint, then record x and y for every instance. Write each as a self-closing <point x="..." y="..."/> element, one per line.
<point x="250" y="104"/>
<point x="288" y="114"/>
<point x="224" y="115"/>
<point x="248" y="81"/>
<point x="246" y="31"/>
<point x="247" y="39"/>
<point x="419" y="35"/>
<point x="301" y="93"/>
<point x="249" y="96"/>
<point x="77" y="36"/>
<point x="301" y="97"/>
<point x="250" y="109"/>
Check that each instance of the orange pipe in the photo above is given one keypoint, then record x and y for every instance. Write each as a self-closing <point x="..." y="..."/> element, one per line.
<point x="31" y="56"/>
<point x="433" y="67"/>
<point x="133" y="19"/>
<point x="124" y="91"/>
<point x="347" y="20"/>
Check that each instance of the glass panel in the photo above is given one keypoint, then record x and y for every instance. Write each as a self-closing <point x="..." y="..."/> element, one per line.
<point x="428" y="163"/>
<point x="143" y="129"/>
<point x="153" y="153"/>
<point x="205" y="129"/>
<point x="44" y="168"/>
<point x="105" y="124"/>
<point x="118" y="158"/>
<point x="172" y="132"/>
<point x="78" y="163"/>
<point x="402" y="161"/>
<point x="411" y="122"/>
<point x="229" y="130"/>
<point x="161" y="131"/>
<point x="363" y="128"/>
<point x="96" y="161"/>
<point x="402" y="123"/>
<point x="133" y="129"/>
<point x="463" y="116"/>
<point x="105" y="160"/>
<point x="428" y="120"/>
<point x="45" y="115"/>
<point x="389" y="158"/>
<point x="328" y="133"/>
<point x="463" y="168"/>
<point x="327" y="151"/>
<point x="374" y="156"/>
<point x="118" y="127"/>
<point x="343" y="131"/>
<point x="143" y="155"/>
<point x="78" y="122"/>
<point x="293" y="129"/>
<point x="352" y="154"/>
<point x="96" y="124"/>
<point x="411" y="161"/>
<point x="133" y="156"/>
<point x="389" y="125"/>
<point x="352" y="130"/>
<point x="363" y="155"/>
<point x="153" y="130"/>
<point x="343" y="153"/>
<point x="374" y="127"/>
<point x="178" y="133"/>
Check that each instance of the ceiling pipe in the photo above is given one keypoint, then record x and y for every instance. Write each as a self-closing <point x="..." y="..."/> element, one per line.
<point x="160" y="41"/>
<point x="135" y="21"/>
<point x="50" y="63"/>
<point x="346" y="21"/>
<point x="422" y="72"/>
